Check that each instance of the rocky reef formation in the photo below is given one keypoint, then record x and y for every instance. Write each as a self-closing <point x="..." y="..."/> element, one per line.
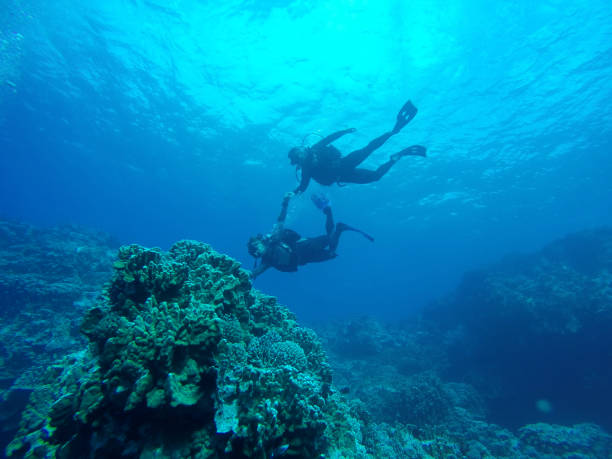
<point x="514" y="364"/>
<point x="180" y="357"/>
<point x="407" y="408"/>
<point x="533" y="333"/>
<point x="48" y="277"/>
<point x="185" y="360"/>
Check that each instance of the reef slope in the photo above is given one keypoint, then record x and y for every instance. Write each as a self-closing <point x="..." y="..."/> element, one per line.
<point x="186" y="360"/>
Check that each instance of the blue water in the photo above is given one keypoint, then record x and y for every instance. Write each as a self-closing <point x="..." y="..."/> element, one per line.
<point x="158" y="121"/>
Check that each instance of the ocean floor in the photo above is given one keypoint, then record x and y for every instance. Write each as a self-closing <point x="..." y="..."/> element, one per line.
<point x="137" y="352"/>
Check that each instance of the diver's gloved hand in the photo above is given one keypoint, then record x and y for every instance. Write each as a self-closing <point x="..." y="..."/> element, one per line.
<point x="287" y="197"/>
<point x="320" y="200"/>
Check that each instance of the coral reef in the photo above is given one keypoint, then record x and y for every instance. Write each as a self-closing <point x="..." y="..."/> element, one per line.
<point x="185" y="360"/>
<point x="418" y="415"/>
<point x="180" y="357"/>
<point x="47" y="278"/>
<point x="547" y="315"/>
<point x="578" y="441"/>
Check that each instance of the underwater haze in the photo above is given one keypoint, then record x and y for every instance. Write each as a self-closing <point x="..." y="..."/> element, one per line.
<point x="157" y="121"/>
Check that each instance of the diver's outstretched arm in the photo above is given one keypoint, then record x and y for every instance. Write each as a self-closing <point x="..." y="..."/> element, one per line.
<point x="258" y="270"/>
<point x="284" y="206"/>
<point x="332" y="137"/>
<point x="305" y="180"/>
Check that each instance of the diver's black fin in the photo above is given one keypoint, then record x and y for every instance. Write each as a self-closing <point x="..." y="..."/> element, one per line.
<point x="414" y="150"/>
<point x="404" y="116"/>
<point x="344" y="227"/>
<point x="366" y="235"/>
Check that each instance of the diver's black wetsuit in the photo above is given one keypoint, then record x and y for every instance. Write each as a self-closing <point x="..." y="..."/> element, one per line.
<point x="325" y="164"/>
<point x="286" y="249"/>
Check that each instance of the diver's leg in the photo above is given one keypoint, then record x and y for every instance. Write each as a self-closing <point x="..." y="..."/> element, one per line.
<point x="329" y="221"/>
<point x="322" y="255"/>
<point x="314" y="249"/>
<point x="356" y="157"/>
<point x="361" y="176"/>
<point x="334" y="239"/>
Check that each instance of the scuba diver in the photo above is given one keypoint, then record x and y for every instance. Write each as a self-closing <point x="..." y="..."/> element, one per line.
<point x="325" y="164"/>
<point x="285" y="250"/>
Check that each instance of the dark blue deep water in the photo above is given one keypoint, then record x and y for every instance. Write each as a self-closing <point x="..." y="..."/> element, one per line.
<point x="158" y="121"/>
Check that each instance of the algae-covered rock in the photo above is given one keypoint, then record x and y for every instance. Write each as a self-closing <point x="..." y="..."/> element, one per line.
<point x="185" y="360"/>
